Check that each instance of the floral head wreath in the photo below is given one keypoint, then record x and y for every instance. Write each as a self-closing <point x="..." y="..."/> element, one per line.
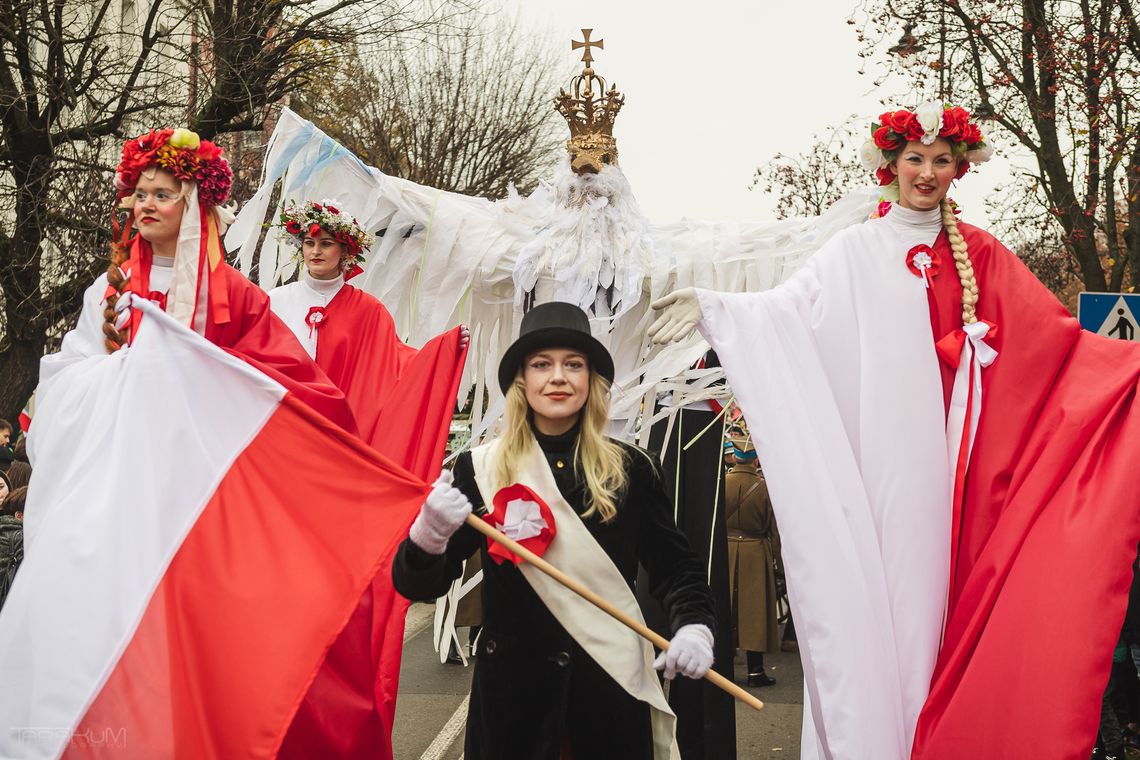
<point x="925" y="124"/>
<point x="183" y="154"/>
<point x="299" y="219"/>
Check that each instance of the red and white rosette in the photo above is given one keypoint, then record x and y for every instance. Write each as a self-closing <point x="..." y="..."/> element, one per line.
<point x="923" y="261"/>
<point x="315" y="318"/>
<point x="521" y="515"/>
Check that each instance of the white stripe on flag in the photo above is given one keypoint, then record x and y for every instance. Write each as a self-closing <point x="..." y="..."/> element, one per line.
<point x="130" y="447"/>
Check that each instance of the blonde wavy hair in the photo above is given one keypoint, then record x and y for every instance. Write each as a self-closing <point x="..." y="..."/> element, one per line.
<point x="600" y="461"/>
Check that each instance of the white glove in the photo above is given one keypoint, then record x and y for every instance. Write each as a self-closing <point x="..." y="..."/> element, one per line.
<point x="690" y="652"/>
<point x="680" y="313"/>
<point x="443" y="512"/>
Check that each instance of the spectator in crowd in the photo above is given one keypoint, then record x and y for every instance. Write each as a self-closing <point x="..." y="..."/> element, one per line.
<point x="5" y="444"/>
<point x="5" y="486"/>
<point x="753" y="548"/>
<point x="19" y="474"/>
<point x="11" y="538"/>
<point x="20" y="451"/>
<point x="1110" y="738"/>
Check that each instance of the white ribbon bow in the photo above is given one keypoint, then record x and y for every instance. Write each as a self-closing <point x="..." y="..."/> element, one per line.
<point x="984" y="352"/>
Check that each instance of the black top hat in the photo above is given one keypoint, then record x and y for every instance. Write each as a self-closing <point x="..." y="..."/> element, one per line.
<point x="554" y="325"/>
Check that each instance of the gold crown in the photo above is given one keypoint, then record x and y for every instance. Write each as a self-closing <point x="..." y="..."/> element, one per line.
<point x="590" y="110"/>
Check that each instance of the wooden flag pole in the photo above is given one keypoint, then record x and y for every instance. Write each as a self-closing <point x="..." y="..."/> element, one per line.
<point x="640" y="628"/>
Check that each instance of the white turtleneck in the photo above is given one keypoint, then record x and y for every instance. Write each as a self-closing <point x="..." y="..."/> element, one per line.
<point x="161" y="273"/>
<point x="322" y="289"/>
<point x="292" y="303"/>
<point x="914" y="227"/>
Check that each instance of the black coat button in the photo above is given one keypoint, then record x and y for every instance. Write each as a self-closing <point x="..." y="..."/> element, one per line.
<point x="562" y="658"/>
<point x="489" y="646"/>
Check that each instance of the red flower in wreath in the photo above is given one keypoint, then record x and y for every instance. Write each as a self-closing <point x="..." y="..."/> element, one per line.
<point x="885" y="141"/>
<point x="520" y="514"/>
<point x="182" y="153"/>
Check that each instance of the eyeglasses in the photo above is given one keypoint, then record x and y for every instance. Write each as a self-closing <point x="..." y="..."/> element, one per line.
<point x="161" y="197"/>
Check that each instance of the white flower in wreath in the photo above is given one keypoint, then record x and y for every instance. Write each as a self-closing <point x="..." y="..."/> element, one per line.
<point x="930" y="119"/>
<point x="871" y="157"/>
<point x="890" y="192"/>
<point x="980" y="154"/>
<point x="288" y="239"/>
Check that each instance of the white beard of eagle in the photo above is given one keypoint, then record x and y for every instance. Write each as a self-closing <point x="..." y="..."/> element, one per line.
<point x="589" y="244"/>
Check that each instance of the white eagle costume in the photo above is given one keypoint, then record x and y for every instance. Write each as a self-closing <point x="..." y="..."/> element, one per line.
<point x="442" y="258"/>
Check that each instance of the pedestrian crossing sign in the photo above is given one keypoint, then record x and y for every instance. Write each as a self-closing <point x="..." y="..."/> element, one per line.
<point x="1113" y="315"/>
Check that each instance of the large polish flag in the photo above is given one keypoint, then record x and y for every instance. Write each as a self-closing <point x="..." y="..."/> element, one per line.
<point x="196" y="538"/>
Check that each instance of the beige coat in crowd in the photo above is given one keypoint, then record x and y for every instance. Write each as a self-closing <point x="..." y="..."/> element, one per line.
<point x="753" y="551"/>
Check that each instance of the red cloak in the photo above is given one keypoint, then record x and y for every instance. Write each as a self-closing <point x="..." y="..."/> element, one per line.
<point x="403" y="401"/>
<point x="1046" y="532"/>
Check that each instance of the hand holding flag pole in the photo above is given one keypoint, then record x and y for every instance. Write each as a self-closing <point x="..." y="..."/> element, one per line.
<point x="640" y="628"/>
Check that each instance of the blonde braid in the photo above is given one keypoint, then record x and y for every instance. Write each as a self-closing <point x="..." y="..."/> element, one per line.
<point x="962" y="264"/>
<point x="114" y="339"/>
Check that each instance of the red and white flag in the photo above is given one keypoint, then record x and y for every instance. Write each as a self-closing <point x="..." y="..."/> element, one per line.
<point x="195" y="539"/>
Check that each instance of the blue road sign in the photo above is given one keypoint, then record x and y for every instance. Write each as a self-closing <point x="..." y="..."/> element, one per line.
<point x="1113" y="315"/>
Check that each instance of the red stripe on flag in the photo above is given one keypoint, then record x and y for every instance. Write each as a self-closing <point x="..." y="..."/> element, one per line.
<point x="260" y="587"/>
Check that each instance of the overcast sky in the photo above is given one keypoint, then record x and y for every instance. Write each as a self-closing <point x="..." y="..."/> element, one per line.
<point x="715" y="88"/>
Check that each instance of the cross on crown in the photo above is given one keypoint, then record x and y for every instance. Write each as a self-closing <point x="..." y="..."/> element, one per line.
<point x="586" y="110"/>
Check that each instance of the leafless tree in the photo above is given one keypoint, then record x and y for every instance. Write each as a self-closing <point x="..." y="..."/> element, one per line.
<point x="1031" y="232"/>
<point x="72" y="74"/>
<point x="78" y="75"/>
<point x="808" y="183"/>
<point x="257" y="53"/>
<point x="469" y="110"/>
<point x="1061" y="78"/>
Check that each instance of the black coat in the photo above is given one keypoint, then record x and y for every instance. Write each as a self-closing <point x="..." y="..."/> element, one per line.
<point x="534" y="688"/>
<point x="11" y="552"/>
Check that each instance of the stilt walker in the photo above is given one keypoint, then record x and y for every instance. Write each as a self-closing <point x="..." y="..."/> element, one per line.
<point x="949" y="457"/>
<point x="402" y="399"/>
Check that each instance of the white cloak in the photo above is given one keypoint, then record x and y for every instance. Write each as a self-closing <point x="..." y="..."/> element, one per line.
<point x="838" y="378"/>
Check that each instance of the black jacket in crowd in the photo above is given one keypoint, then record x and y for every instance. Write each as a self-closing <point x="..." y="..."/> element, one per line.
<point x="534" y="689"/>
<point x="11" y="552"/>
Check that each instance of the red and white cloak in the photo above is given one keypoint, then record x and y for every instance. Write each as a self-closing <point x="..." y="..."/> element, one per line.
<point x="179" y="593"/>
<point x="1027" y="561"/>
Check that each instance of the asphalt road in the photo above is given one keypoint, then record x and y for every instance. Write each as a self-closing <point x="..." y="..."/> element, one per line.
<point x="432" y="707"/>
